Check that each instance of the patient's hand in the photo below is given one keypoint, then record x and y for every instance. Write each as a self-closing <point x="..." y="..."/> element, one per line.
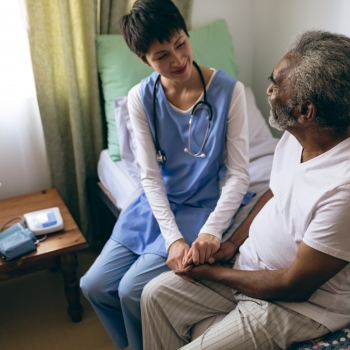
<point x="225" y="253"/>
<point x="202" y="248"/>
<point x="200" y="272"/>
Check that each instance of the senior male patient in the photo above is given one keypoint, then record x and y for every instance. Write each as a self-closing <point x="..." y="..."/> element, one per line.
<point x="291" y="279"/>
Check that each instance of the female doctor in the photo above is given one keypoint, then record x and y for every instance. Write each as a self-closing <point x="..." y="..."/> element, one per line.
<point x="191" y="132"/>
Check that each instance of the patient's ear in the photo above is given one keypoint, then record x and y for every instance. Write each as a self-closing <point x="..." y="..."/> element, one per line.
<point x="305" y="112"/>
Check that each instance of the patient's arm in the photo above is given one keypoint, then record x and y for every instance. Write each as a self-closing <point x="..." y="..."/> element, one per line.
<point x="229" y="248"/>
<point x="310" y="269"/>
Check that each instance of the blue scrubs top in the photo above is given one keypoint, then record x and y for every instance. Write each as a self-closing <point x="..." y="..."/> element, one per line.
<point x="192" y="184"/>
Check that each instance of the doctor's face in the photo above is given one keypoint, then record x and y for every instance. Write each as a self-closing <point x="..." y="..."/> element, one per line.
<point x="173" y="59"/>
<point x="279" y="96"/>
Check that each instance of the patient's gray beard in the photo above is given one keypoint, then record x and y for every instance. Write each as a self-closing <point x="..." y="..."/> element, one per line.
<point x="280" y="117"/>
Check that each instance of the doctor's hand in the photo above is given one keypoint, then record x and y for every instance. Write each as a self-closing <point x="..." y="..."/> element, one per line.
<point x="202" y="248"/>
<point x="177" y="251"/>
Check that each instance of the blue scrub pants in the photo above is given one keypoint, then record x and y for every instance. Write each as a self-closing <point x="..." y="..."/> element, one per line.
<point x="114" y="284"/>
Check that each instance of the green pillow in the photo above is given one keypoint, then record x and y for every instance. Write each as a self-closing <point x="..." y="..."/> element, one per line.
<point x="212" y="47"/>
<point x="120" y="69"/>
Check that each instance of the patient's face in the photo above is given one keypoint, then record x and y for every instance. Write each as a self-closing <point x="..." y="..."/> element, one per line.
<point x="279" y="96"/>
<point x="172" y="60"/>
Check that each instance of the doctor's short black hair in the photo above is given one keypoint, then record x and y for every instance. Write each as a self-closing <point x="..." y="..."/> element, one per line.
<point x="150" y="21"/>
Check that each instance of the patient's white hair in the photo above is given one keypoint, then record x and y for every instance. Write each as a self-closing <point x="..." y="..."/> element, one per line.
<point x="321" y="75"/>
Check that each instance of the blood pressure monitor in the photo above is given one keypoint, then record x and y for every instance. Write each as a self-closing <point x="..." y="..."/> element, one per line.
<point x="44" y="221"/>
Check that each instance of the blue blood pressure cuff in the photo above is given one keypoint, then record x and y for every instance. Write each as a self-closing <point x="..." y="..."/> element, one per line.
<point x="16" y="241"/>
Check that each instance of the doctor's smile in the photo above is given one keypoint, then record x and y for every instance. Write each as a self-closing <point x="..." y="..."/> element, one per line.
<point x="181" y="70"/>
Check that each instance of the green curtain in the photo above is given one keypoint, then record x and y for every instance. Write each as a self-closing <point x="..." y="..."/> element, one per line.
<point x="62" y="44"/>
<point x="112" y="10"/>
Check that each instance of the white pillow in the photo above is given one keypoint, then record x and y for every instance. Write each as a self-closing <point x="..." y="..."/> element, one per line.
<point x="256" y="122"/>
<point x="261" y="141"/>
<point x="126" y="137"/>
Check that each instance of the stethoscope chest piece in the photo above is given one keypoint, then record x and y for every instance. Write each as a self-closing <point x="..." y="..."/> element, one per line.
<point x="160" y="157"/>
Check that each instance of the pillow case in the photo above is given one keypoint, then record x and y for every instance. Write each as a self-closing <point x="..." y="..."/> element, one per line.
<point x="256" y="122"/>
<point x="126" y="137"/>
<point x="261" y="141"/>
<point x="212" y="47"/>
<point x="120" y="69"/>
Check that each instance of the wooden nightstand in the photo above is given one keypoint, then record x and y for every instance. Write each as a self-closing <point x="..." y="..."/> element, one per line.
<point x="58" y="250"/>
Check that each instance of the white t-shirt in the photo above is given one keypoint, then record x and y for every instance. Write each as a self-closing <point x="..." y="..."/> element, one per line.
<point x="236" y="157"/>
<point x="311" y="203"/>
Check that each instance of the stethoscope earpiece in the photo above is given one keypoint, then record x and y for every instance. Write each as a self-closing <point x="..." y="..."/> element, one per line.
<point x="159" y="154"/>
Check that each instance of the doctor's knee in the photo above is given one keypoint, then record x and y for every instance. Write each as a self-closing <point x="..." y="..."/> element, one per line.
<point x="129" y="292"/>
<point x="91" y="286"/>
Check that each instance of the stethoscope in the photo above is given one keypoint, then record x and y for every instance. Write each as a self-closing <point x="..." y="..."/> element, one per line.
<point x="161" y="158"/>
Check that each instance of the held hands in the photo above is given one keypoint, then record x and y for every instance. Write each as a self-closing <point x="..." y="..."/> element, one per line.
<point x="202" y="248"/>
<point x="205" y="271"/>
<point x="184" y="260"/>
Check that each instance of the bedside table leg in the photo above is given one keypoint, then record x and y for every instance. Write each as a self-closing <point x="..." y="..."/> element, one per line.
<point x="69" y="264"/>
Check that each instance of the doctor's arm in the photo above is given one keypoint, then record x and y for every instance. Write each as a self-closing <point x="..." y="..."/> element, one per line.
<point x="152" y="181"/>
<point x="236" y="184"/>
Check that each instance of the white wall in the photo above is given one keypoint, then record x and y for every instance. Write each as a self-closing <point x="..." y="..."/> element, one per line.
<point x="239" y="15"/>
<point x="262" y="29"/>
<point x="278" y="21"/>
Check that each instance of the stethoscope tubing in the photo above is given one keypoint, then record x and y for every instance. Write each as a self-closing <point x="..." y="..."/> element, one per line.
<point x="161" y="158"/>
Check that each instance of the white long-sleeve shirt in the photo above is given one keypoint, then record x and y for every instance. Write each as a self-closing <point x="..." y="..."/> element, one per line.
<point x="236" y="157"/>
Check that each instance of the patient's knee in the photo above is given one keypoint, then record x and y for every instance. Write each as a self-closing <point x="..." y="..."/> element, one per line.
<point x="150" y="289"/>
<point x="151" y="295"/>
<point x="159" y="287"/>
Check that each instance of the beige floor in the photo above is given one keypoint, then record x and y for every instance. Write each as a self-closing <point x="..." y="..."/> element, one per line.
<point x="33" y="315"/>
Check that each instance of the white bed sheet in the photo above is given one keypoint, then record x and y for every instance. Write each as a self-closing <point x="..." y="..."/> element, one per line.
<point x="115" y="178"/>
